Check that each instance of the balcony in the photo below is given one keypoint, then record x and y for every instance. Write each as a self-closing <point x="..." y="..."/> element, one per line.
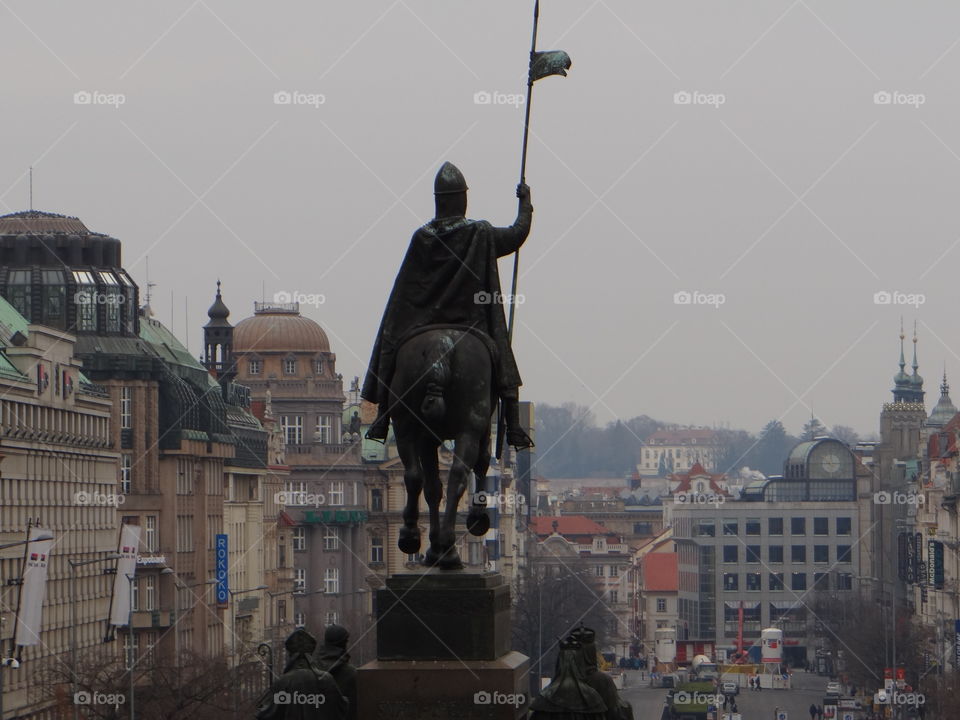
<point x="147" y="619"/>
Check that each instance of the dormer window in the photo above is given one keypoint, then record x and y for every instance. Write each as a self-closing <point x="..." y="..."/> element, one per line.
<point x="318" y="366"/>
<point x="290" y="366"/>
<point x="255" y="366"/>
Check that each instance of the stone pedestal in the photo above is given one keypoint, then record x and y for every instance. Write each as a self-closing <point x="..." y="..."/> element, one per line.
<point x="443" y="651"/>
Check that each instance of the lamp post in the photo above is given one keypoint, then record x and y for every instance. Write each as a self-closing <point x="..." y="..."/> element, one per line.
<point x="130" y="653"/>
<point x="74" y="564"/>
<point x="13" y="662"/>
<point x="233" y="631"/>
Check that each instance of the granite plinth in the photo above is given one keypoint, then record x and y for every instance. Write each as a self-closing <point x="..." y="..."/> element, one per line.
<point x="436" y="615"/>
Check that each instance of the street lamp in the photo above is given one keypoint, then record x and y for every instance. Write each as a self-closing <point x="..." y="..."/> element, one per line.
<point x="74" y="564"/>
<point x="13" y="662"/>
<point x="130" y="653"/>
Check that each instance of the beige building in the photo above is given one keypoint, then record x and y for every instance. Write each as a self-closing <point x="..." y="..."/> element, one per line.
<point x="674" y="450"/>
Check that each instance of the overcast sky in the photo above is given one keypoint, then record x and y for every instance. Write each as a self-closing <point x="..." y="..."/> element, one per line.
<point x="780" y="183"/>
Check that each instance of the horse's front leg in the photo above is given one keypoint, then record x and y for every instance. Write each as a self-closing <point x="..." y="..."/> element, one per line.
<point x="409" y="541"/>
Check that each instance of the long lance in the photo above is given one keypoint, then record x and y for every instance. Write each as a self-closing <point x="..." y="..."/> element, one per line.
<point x="501" y="419"/>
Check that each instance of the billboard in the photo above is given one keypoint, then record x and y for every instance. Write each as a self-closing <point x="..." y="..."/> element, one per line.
<point x="127" y="549"/>
<point x="33" y="588"/>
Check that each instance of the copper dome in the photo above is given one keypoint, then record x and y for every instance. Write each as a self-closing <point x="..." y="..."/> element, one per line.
<point x="278" y="328"/>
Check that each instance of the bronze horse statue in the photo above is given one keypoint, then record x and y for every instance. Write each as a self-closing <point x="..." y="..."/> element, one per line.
<point x="443" y="389"/>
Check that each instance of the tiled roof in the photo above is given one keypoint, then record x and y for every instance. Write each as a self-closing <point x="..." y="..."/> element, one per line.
<point x="697" y="471"/>
<point x="660" y="572"/>
<point x="568" y="525"/>
<point x="34" y="221"/>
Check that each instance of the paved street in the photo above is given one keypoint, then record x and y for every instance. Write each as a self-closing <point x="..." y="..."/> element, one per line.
<point x="807" y="688"/>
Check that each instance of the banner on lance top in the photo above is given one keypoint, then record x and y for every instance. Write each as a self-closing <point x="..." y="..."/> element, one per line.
<point x="223" y="569"/>
<point x="128" y="549"/>
<point x="33" y="589"/>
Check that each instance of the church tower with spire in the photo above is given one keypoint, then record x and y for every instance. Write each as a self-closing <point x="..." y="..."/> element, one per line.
<point x="901" y="421"/>
<point x="218" y="341"/>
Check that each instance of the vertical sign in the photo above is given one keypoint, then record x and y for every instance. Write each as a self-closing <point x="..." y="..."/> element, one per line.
<point x="223" y="567"/>
<point x="911" y="574"/>
<point x="956" y="631"/>
<point x="33" y="589"/>
<point x="126" y="567"/>
<point x="935" y="563"/>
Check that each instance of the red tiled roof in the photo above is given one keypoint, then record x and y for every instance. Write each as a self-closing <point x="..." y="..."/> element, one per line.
<point x="568" y="525"/>
<point x="697" y="471"/>
<point x="660" y="572"/>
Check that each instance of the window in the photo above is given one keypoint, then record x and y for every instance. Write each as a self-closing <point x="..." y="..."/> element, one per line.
<point x="112" y="301"/>
<point x="775" y="526"/>
<point x="730" y="527"/>
<point x="753" y="581"/>
<point x="52" y="295"/>
<point x="775" y="553"/>
<point x="599" y="570"/>
<point x="281" y="554"/>
<point x="798" y="581"/>
<point x="821" y="526"/>
<point x="289" y="366"/>
<point x="318" y="366"/>
<point x="843" y="526"/>
<point x="135" y="594"/>
<point x="184" y="533"/>
<point x="150" y="534"/>
<point x="18" y="292"/>
<point x="299" y="619"/>
<point x="614" y="571"/>
<point x="299" y="538"/>
<point x="821" y="581"/>
<point x="150" y="592"/>
<point x="376" y="549"/>
<point x="331" y="618"/>
<point x="798" y="553"/>
<point x="324" y="429"/>
<point x="86" y="300"/>
<point x="752" y="526"/>
<point x="126" y="467"/>
<point x="331" y="580"/>
<point x="730" y="553"/>
<point x="614" y="596"/>
<point x="126" y="408"/>
<point x="254" y="366"/>
<point x="376" y="500"/>
<point x="292" y="426"/>
<point x="753" y="553"/>
<point x="643" y="528"/>
<point x="844" y="581"/>
<point x="821" y="553"/>
<point x="843" y="553"/>
<point x="776" y="581"/>
<point x="281" y="612"/>
<point x="299" y="580"/>
<point x="661" y="605"/>
<point x="336" y="493"/>
<point x="731" y="581"/>
<point x="331" y="538"/>
<point x="798" y="526"/>
<point x="706" y="528"/>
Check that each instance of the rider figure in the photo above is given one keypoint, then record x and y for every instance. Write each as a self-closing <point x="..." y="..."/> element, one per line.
<point x="449" y="277"/>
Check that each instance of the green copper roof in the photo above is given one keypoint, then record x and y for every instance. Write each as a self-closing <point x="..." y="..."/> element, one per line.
<point x="11" y="322"/>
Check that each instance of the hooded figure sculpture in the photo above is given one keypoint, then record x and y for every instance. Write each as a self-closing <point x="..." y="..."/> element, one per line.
<point x="568" y="697"/>
<point x="449" y="277"/>
<point x="304" y="691"/>
<point x="617" y="708"/>
<point x="333" y="657"/>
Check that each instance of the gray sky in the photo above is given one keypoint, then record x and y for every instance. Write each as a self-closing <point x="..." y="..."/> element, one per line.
<point x="796" y="199"/>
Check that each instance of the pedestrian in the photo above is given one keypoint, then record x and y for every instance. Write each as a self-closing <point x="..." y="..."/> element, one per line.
<point x="820" y="712"/>
<point x="758" y="684"/>
<point x="813" y="711"/>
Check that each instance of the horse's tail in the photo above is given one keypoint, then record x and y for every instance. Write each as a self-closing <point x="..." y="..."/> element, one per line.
<point x="438" y="377"/>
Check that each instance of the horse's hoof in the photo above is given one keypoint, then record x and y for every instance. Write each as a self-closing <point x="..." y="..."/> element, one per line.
<point x="450" y="560"/>
<point x="409" y="541"/>
<point x="478" y="522"/>
<point x="431" y="557"/>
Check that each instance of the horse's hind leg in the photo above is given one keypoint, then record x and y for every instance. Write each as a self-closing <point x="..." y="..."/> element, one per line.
<point x="409" y="541"/>
<point x="433" y="494"/>
<point x="478" y="520"/>
<point x="466" y="447"/>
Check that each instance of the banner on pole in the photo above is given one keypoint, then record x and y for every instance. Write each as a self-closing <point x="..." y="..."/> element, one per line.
<point x="33" y="589"/>
<point x="223" y="569"/>
<point x="128" y="549"/>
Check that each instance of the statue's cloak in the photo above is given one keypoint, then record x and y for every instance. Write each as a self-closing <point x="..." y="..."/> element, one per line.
<point x="448" y="277"/>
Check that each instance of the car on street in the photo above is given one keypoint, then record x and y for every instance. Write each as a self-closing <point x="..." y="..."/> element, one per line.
<point x="729" y="688"/>
<point x="833" y="688"/>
